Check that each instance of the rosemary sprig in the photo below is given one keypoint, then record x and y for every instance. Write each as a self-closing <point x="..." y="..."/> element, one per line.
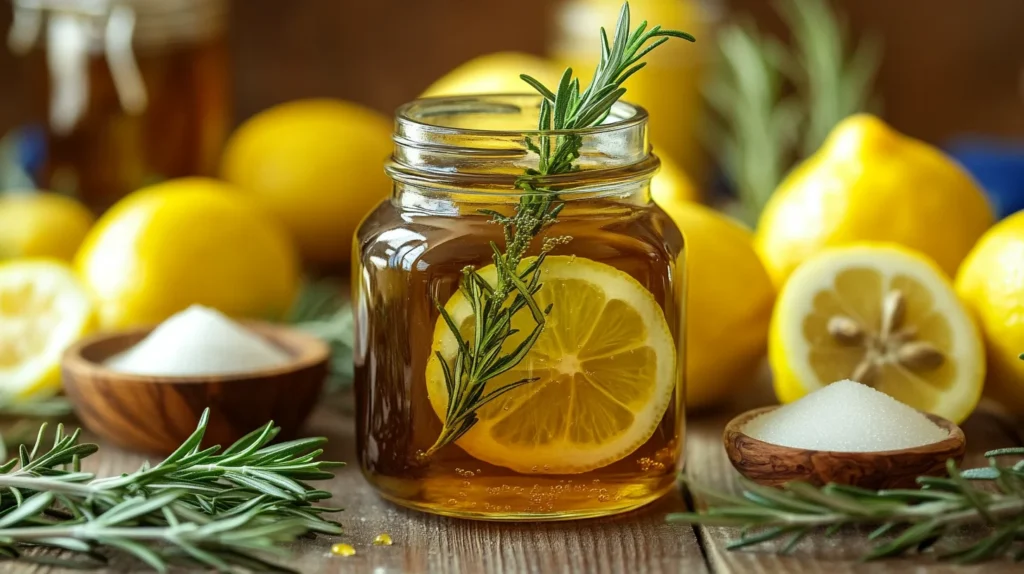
<point x="220" y="508"/>
<point x="480" y="359"/>
<point x="905" y="520"/>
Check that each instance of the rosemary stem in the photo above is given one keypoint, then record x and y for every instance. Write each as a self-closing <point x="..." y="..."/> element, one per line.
<point x="45" y="484"/>
<point x="945" y="513"/>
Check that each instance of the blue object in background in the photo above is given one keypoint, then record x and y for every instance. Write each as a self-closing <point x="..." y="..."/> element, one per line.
<point x="31" y="144"/>
<point x="998" y="165"/>
<point x="22" y="157"/>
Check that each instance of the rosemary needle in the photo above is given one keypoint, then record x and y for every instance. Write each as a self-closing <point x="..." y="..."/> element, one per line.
<point x="219" y="508"/>
<point x="479" y="360"/>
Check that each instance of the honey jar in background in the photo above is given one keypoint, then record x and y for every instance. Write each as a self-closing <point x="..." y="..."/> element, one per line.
<point x="123" y="92"/>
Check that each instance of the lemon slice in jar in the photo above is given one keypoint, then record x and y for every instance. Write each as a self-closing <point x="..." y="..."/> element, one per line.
<point x="605" y="366"/>
<point x="881" y="315"/>
<point x="43" y="309"/>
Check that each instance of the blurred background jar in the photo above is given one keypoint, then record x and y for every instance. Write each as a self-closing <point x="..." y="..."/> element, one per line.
<point x="669" y="87"/>
<point x="123" y="93"/>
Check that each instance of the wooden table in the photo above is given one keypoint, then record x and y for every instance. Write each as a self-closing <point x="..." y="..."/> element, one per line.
<point x="637" y="543"/>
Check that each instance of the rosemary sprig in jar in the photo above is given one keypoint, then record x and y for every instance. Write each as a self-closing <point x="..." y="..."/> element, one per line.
<point x="480" y="359"/>
<point x="905" y="520"/>
<point x="221" y="509"/>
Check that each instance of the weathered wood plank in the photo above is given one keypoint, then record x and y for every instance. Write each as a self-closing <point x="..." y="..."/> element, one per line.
<point x="637" y="543"/>
<point x="707" y="464"/>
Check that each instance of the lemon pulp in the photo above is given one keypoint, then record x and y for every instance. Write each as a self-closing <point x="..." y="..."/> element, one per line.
<point x="605" y="370"/>
<point x="854" y="283"/>
<point x="43" y="309"/>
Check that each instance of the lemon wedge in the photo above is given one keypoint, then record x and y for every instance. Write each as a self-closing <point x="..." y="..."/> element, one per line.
<point x="605" y="366"/>
<point x="881" y="315"/>
<point x="43" y="309"/>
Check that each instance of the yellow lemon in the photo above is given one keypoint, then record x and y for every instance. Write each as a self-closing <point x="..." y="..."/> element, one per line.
<point x="882" y="315"/>
<point x="991" y="283"/>
<point x="43" y="310"/>
<point x="41" y="224"/>
<point x="605" y="366"/>
<point x="728" y="304"/>
<point x="870" y="183"/>
<point x="185" y="241"/>
<point x="496" y="73"/>
<point x="671" y="185"/>
<point x="318" y="165"/>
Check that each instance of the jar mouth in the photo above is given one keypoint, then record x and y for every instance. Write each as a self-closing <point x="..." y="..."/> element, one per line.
<point x="417" y="113"/>
<point x="487" y="143"/>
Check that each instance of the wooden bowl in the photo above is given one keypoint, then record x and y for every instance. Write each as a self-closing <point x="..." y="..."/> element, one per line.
<point x="773" y="465"/>
<point x="156" y="413"/>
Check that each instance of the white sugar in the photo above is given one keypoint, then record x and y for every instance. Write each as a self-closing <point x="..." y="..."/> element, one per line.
<point x="846" y="416"/>
<point x="198" y="341"/>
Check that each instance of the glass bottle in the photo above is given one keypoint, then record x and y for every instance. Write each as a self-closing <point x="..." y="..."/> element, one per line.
<point x="551" y="448"/>
<point x="127" y="92"/>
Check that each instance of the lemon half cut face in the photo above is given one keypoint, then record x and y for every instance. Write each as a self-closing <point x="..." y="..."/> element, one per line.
<point x="884" y="316"/>
<point x="43" y="310"/>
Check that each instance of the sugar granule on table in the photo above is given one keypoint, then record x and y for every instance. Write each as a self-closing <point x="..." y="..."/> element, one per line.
<point x="846" y="416"/>
<point x="198" y="341"/>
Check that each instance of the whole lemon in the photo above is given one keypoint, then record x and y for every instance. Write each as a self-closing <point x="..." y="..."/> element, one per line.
<point x="728" y="304"/>
<point x="186" y="241"/>
<point x="496" y="73"/>
<point x="991" y="283"/>
<point x="870" y="183"/>
<point x="318" y="165"/>
<point x="41" y="224"/>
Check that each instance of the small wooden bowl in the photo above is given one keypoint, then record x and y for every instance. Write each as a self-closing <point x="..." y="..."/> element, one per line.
<point x="155" y="414"/>
<point x="773" y="465"/>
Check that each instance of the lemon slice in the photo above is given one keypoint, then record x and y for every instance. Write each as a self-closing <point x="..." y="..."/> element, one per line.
<point x="43" y="309"/>
<point x="883" y="316"/>
<point x="605" y="364"/>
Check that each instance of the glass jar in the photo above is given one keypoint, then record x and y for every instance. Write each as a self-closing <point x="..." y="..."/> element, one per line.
<point x="128" y="92"/>
<point x="596" y="424"/>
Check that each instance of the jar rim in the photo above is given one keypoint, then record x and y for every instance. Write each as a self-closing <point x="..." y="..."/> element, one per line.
<point x="456" y="153"/>
<point x="637" y="116"/>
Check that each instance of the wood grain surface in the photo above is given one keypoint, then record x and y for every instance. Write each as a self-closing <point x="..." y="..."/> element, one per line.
<point x="637" y="543"/>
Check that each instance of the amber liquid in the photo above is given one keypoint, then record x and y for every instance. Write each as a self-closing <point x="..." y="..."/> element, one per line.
<point x="410" y="258"/>
<point x="110" y="153"/>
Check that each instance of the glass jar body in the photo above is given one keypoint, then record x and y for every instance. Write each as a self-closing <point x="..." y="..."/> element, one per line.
<point x="409" y="256"/>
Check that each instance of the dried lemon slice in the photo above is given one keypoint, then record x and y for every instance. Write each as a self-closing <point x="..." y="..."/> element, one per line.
<point x="43" y="309"/>
<point x="884" y="316"/>
<point x="605" y="364"/>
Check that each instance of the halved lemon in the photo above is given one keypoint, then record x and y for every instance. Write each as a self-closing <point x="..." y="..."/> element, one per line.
<point x="43" y="309"/>
<point x="605" y="366"/>
<point x="881" y="315"/>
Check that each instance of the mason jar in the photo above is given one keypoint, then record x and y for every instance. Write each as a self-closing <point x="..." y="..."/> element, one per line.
<point x="560" y="396"/>
<point x="125" y="92"/>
